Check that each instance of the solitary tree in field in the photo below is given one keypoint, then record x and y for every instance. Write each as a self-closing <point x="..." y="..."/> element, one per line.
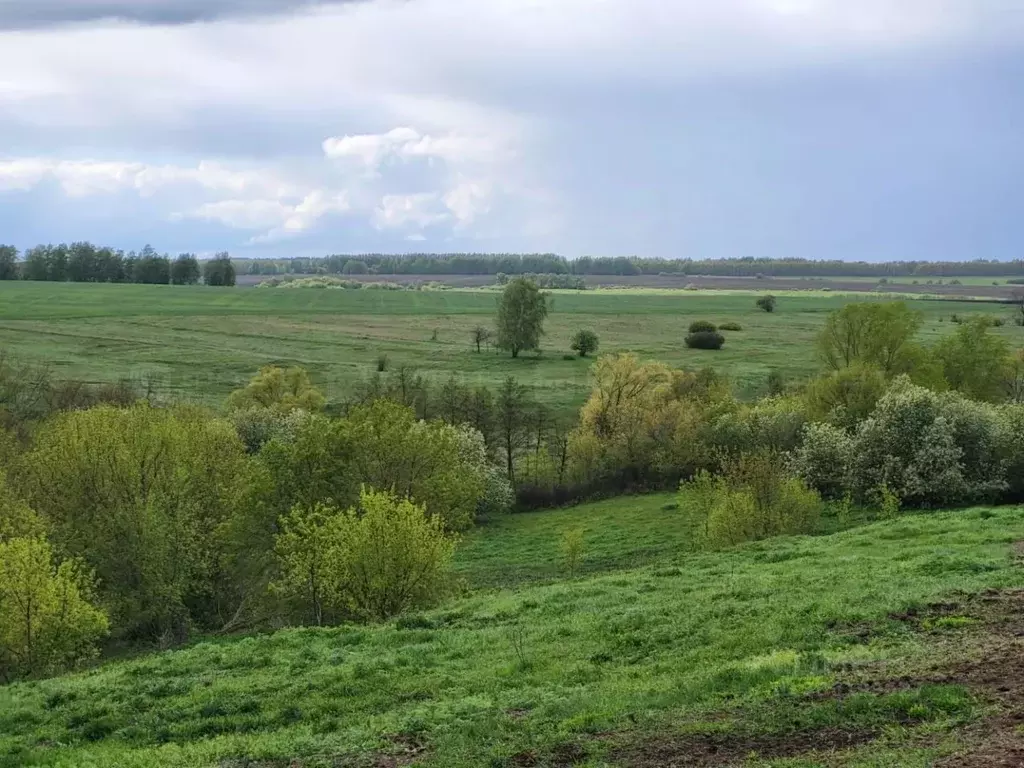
<point x="767" y="303"/>
<point x="481" y="335"/>
<point x="521" y="314"/>
<point x="584" y="342"/>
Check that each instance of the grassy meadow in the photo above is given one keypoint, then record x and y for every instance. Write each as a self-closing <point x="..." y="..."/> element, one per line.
<point x="200" y="343"/>
<point x="799" y="652"/>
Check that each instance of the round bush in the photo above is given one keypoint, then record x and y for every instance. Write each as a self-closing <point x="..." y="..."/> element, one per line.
<point x="702" y="326"/>
<point x="705" y="340"/>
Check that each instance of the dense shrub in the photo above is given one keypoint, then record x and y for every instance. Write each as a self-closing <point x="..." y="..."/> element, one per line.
<point x="754" y="498"/>
<point x="730" y="327"/>
<point x="705" y="340"/>
<point x="256" y="426"/>
<point x="373" y="562"/>
<point x="774" y="423"/>
<point x="845" y="397"/>
<point x="278" y="389"/>
<point x="141" y="495"/>
<point x="584" y="342"/>
<point x="767" y="303"/>
<point x="48" y="621"/>
<point x="702" y="326"/>
<point x="824" y="459"/>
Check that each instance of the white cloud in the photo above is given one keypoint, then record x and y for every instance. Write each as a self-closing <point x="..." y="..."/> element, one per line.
<point x="419" y="210"/>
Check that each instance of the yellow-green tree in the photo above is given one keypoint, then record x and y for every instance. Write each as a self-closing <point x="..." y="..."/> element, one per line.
<point x="878" y="334"/>
<point x="371" y="562"/>
<point x="976" y="361"/>
<point x="280" y="389"/>
<point x="47" y="620"/>
<point x="142" y="495"/>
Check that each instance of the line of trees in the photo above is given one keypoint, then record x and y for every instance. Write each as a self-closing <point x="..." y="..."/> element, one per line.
<point x="553" y="264"/>
<point x="84" y="262"/>
<point x="87" y="263"/>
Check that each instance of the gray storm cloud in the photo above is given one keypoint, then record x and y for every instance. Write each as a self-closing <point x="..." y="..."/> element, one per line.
<point x="34" y="14"/>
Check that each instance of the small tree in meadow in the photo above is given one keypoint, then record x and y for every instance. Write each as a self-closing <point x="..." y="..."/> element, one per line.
<point x="521" y="314"/>
<point x="572" y="546"/>
<point x="766" y="303"/>
<point x="584" y="343"/>
<point x="481" y="336"/>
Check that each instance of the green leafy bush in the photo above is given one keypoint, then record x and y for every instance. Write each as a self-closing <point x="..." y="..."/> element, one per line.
<point x="730" y="327"/>
<point x="584" y="343"/>
<point x="379" y="560"/>
<point x="767" y="303"/>
<point x="48" y="622"/>
<point x="705" y="340"/>
<point x="702" y="326"/>
<point x="754" y="498"/>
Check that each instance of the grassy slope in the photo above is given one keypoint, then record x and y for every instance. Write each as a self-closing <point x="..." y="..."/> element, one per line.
<point x="539" y="664"/>
<point x="203" y="342"/>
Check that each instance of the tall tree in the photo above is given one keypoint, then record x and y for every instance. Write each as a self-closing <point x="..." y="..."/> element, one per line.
<point x="185" y="270"/>
<point x="521" y="313"/>
<point x="512" y="422"/>
<point x="8" y="262"/>
<point x="219" y="271"/>
<point x="877" y="334"/>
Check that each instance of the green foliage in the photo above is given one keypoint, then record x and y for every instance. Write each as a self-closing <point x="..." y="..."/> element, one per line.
<point x="767" y="303"/>
<point x="141" y="495"/>
<point x="278" y="389"/>
<point x="521" y="314"/>
<point x="774" y="423"/>
<point x="219" y="271"/>
<point x="975" y="361"/>
<point x="730" y="326"/>
<point x="354" y="267"/>
<point x="428" y="462"/>
<point x="878" y="334"/>
<point x="928" y="448"/>
<point x="185" y="270"/>
<point x="47" y="620"/>
<point x="17" y="519"/>
<point x="888" y="502"/>
<point x="8" y="262"/>
<point x="573" y="545"/>
<point x="382" y="560"/>
<point x="824" y="459"/>
<point x="584" y="342"/>
<point x="702" y="326"/>
<point x="847" y="396"/>
<point x="755" y="498"/>
<point x="256" y="426"/>
<point x="705" y="340"/>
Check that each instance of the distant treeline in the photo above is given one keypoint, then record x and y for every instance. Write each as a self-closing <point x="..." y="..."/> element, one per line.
<point x="552" y="264"/>
<point x="87" y="263"/>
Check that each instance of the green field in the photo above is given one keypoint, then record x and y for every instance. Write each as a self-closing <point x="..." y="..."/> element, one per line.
<point x="820" y="650"/>
<point x="200" y="343"/>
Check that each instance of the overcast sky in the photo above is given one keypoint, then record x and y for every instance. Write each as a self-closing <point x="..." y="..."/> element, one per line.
<point x="874" y="129"/>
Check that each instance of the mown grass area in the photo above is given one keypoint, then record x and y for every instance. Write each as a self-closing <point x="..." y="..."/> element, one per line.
<point x="723" y="648"/>
<point x="200" y="343"/>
